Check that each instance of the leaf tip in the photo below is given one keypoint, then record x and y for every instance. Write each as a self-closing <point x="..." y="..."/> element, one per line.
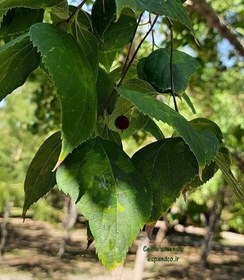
<point x="24" y="216"/>
<point x="57" y="165"/>
<point x="89" y="242"/>
<point x="200" y="173"/>
<point x="184" y="191"/>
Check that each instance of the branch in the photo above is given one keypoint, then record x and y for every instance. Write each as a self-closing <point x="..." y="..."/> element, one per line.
<point x="136" y="51"/>
<point x="203" y="8"/>
<point x="130" y="63"/>
<point x="153" y="37"/>
<point x="131" y="44"/>
<point x="239" y="159"/>
<point x="171" y="27"/>
<point x="73" y="15"/>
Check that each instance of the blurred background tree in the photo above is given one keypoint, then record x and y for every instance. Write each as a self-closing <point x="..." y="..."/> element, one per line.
<point x="19" y="118"/>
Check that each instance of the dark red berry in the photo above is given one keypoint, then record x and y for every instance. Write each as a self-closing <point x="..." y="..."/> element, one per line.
<point x="122" y="122"/>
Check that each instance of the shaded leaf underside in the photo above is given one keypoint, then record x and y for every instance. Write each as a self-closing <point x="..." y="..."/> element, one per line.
<point x="39" y="178"/>
<point x="18" y="59"/>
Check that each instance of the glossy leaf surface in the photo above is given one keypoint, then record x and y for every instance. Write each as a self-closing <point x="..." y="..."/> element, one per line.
<point x="74" y="79"/>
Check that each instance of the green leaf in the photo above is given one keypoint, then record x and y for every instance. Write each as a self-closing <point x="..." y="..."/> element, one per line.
<point x="39" y="178"/>
<point x="207" y="173"/>
<point x="113" y="194"/>
<point x="74" y="79"/>
<point x="103" y="15"/>
<point x="122" y="107"/>
<point x="203" y="126"/>
<point x="140" y="85"/>
<point x="2" y="14"/>
<point x="83" y="18"/>
<point x="152" y="128"/>
<point x="168" y="165"/>
<point x="155" y="69"/>
<point x="112" y="34"/>
<point x="18" y="59"/>
<point x="104" y="132"/>
<point x="90" y="237"/>
<point x="37" y="4"/>
<point x="138" y="120"/>
<point x="116" y="73"/>
<point x="140" y="69"/>
<point x="106" y="58"/>
<point x="172" y="9"/>
<point x="59" y="7"/>
<point x="204" y="144"/>
<point x="207" y="125"/>
<point x="189" y="102"/>
<point x="223" y="161"/>
<point x="119" y="33"/>
<point x="18" y="21"/>
<point x="88" y="45"/>
<point x="104" y="89"/>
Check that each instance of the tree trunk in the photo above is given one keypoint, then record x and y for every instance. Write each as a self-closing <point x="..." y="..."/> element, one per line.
<point x="212" y="227"/>
<point x="70" y="216"/>
<point x="4" y="232"/>
<point x="140" y="258"/>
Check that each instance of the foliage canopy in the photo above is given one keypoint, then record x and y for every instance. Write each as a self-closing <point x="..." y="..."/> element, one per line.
<point x="117" y="194"/>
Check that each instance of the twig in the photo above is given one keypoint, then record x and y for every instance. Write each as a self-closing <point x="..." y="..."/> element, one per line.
<point x="171" y="26"/>
<point x="130" y="62"/>
<point x="203" y="8"/>
<point x="131" y="44"/>
<point x="136" y="51"/>
<point x="153" y="39"/>
<point x="77" y="9"/>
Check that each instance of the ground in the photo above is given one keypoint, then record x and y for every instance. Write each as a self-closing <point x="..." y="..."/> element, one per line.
<point x="31" y="253"/>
